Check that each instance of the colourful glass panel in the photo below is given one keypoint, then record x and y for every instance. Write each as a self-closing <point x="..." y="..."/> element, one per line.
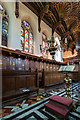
<point x="22" y="38"/>
<point x="43" y="46"/>
<point x="28" y="37"/>
<point x="44" y="36"/>
<point x="4" y="31"/>
<point x="30" y="48"/>
<point x="26" y="24"/>
<point x="30" y="43"/>
<point x="46" y="45"/>
<point x="26" y="40"/>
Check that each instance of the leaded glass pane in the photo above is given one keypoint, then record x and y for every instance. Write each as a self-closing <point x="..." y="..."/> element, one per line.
<point x="30" y="43"/>
<point x="22" y="38"/>
<point x="26" y="40"/>
<point x="26" y="24"/>
<point x="28" y="36"/>
<point x="46" y="45"/>
<point x="44" y="36"/>
<point x="4" y="31"/>
<point x="43" y="46"/>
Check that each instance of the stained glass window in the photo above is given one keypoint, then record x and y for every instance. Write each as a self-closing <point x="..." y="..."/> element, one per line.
<point x="22" y="38"/>
<point x="4" y="26"/>
<point x="44" y="45"/>
<point x="27" y="37"/>
<point x="26" y="24"/>
<point x="26" y="40"/>
<point x="30" y="43"/>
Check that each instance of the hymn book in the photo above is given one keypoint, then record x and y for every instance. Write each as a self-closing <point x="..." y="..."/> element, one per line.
<point x="67" y="68"/>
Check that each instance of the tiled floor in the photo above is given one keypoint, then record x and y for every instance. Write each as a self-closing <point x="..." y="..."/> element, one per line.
<point x="34" y="107"/>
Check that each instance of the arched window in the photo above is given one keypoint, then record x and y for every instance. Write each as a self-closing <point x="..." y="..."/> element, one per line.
<point x="4" y="26"/>
<point x="44" y="46"/>
<point x="26" y="37"/>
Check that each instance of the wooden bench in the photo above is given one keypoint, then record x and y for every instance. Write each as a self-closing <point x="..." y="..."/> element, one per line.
<point x="51" y="78"/>
<point x="15" y="84"/>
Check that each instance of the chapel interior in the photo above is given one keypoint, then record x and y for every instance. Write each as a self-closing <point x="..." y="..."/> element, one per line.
<point x="40" y="60"/>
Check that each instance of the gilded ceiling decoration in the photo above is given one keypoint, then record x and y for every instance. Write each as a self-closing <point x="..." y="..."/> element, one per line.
<point x="62" y="17"/>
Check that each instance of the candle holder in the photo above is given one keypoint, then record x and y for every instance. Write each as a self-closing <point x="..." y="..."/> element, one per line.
<point x="68" y="82"/>
<point x="52" y="48"/>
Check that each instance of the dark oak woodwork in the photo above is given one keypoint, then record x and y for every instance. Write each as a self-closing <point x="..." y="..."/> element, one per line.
<point x="50" y="78"/>
<point x="24" y="71"/>
<point x="36" y="12"/>
<point x="75" y="76"/>
<point x="36" y="65"/>
<point x="13" y="83"/>
<point x="17" y="9"/>
<point x="41" y="15"/>
<point x="18" y="60"/>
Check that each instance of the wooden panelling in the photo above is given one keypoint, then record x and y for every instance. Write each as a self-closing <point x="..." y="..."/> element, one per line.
<point x="47" y="67"/>
<point x="20" y="82"/>
<point x="24" y="71"/>
<point x="20" y="64"/>
<point x="44" y="66"/>
<point x="41" y="66"/>
<point x="54" y="67"/>
<point x="8" y="83"/>
<point x="26" y="64"/>
<point x="17" y="60"/>
<point x="36" y="65"/>
<point x="52" y="78"/>
<point x="12" y="63"/>
<point x="13" y="83"/>
<point x="51" y="67"/>
<point x="32" y="65"/>
<point x="75" y="76"/>
<point x="5" y="62"/>
<point x="32" y="81"/>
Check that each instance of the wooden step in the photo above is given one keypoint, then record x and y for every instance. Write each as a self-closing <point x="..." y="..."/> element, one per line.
<point x="61" y="100"/>
<point x="56" y="110"/>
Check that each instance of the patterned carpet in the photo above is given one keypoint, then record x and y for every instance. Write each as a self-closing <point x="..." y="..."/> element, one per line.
<point x="33" y="108"/>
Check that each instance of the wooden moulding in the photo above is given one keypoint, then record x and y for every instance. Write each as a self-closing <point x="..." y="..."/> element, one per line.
<point x="23" y="55"/>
